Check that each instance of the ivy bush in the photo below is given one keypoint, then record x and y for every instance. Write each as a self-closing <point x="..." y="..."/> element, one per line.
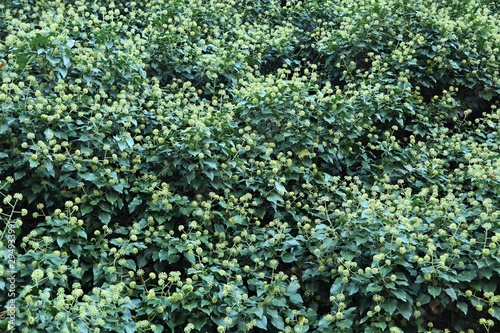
<point x="250" y="166"/>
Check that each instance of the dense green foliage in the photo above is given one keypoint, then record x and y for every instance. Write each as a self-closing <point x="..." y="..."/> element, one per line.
<point x="249" y="166"/>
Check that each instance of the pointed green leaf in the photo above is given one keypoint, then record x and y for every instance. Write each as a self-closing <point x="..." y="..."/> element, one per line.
<point x="406" y="310"/>
<point x="399" y="293"/>
<point x="466" y="276"/>
<point x="199" y="322"/>
<point x="279" y="187"/>
<point x="274" y="197"/>
<point x="261" y="323"/>
<point x="496" y="312"/>
<point x="163" y="254"/>
<point x="158" y="328"/>
<point x="390" y="306"/>
<point x="295" y="298"/>
<point x="61" y="240"/>
<point x="33" y="164"/>
<point x="130" y="141"/>
<point x="91" y="177"/>
<point x="463" y="307"/>
<point x="104" y="217"/>
<point x="122" y="145"/>
<point x="239" y="219"/>
<point x="451" y="292"/>
<point x="434" y="290"/>
<point x="111" y="197"/>
<point x="210" y="163"/>
<point x="81" y="233"/>
<point x="132" y="206"/>
<point x="423" y="298"/>
<point x="276" y="320"/>
<point x="288" y="257"/>
<point x="49" y="167"/>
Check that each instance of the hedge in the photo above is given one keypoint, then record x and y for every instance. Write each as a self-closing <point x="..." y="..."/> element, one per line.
<point x="250" y="166"/>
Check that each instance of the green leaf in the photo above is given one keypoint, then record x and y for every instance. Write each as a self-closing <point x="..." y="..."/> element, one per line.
<point x="292" y="243"/>
<point x="130" y="142"/>
<point x="345" y="324"/>
<point x="199" y="322"/>
<point x="451" y="292"/>
<point x="276" y="320"/>
<point x="476" y="302"/>
<point x="239" y="219"/>
<point x="288" y="257"/>
<point x="67" y="167"/>
<point x="423" y="298"/>
<point x="209" y="173"/>
<point x="190" y="306"/>
<point x="131" y="327"/>
<point x="210" y="163"/>
<point x="301" y="328"/>
<point x="295" y="298"/>
<point x="390" y="306"/>
<point x="82" y="326"/>
<point x="142" y="259"/>
<point x="76" y="249"/>
<point x="20" y="174"/>
<point x="274" y="197"/>
<point x="347" y="255"/>
<point x="190" y="177"/>
<point x="53" y="60"/>
<point x="4" y="128"/>
<point x="62" y="240"/>
<point x="63" y="72"/>
<point x="486" y="272"/>
<point x="466" y="276"/>
<point x="337" y="287"/>
<point x="132" y="206"/>
<point x="373" y="288"/>
<point x="207" y="278"/>
<point x="66" y="60"/>
<point x="279" y="302"/>
<point x="122" y="145"/>
<point x="279" y="187"/>
<point x="130" y="264"/>
<point x="487" y="95"/>
<point x="81" y="233"/>
<point x="49" y="167"/>
<point x="84" y="210"/>
<point x="406" y="310"/>
<point x="33" y="164"/>
<point x="463" y="307"/>
<point x="109" y="44"/>
<point x="401" y="294"/>
<point x="259" y="312"/>
<point x="434" y="290"/>
<point x="111" y="197"/>
<point x="162" y="254"/>
<point x="261" y="323"/>
<point x="173" y="258"/>
<point x="104" y="217"/>
<point x="260" y="211"/>
<point x="496" y="312"/>
<point x="352" y="288"/>
<point x="89" y="177"/>
<point x="489" y="286"/>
